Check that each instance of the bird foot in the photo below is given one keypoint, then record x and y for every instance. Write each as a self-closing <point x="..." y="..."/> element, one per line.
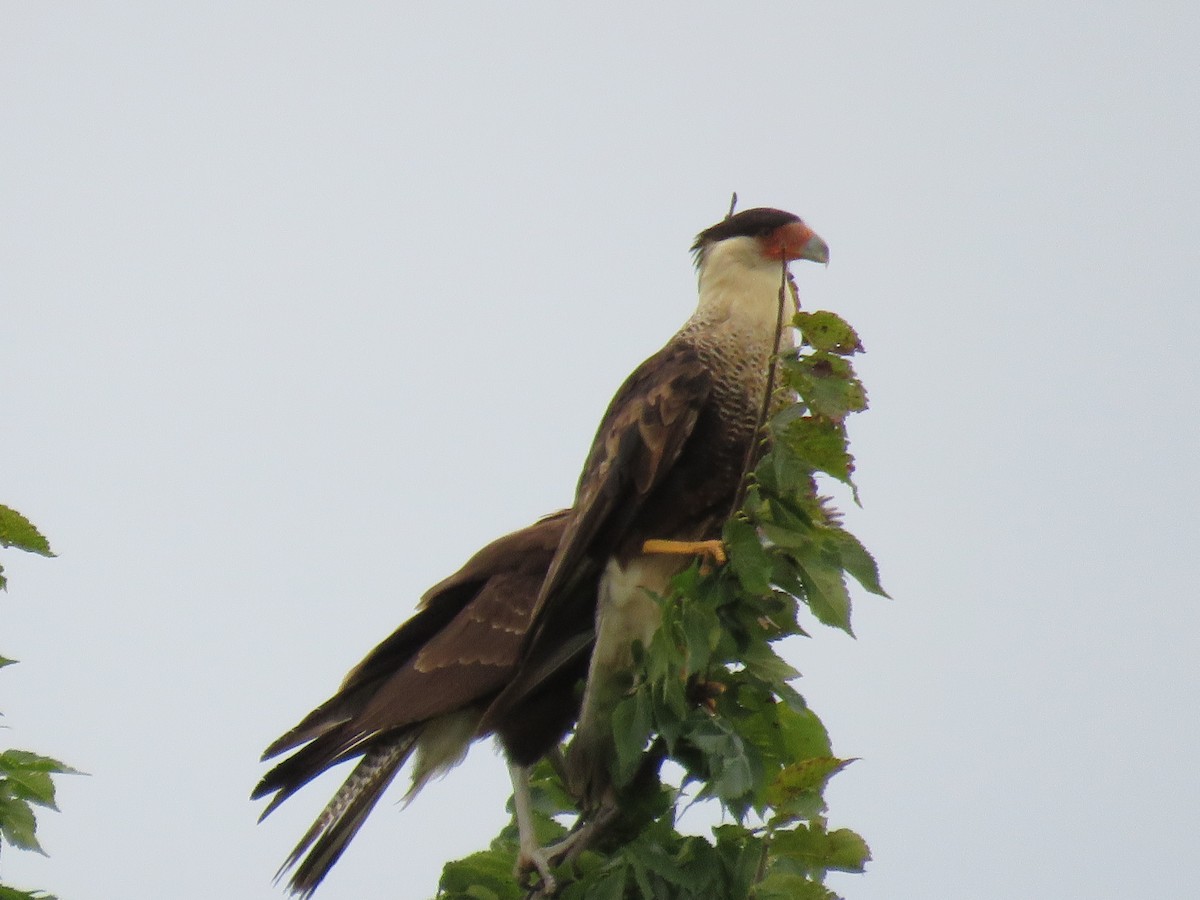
<point x="704" y="693"/>
<point x="531" y="859"/>
<point x="544" y="859"/>
<point x="713" y="551"/>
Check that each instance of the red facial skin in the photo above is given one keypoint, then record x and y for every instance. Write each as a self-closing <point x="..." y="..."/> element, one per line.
<point x="788" y="242"/>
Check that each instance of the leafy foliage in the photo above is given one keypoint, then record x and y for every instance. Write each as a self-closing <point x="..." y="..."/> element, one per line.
<point x="17" y="531"/>
<point x="25" y="778"/>
<point x="713" y="694"/>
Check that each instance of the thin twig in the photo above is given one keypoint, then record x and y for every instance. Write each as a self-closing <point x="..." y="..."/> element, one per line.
<point x="732" y="205"/>
<point x="785" y="283"/>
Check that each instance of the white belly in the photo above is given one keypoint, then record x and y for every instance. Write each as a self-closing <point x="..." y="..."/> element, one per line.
<point x="625" y="612"/>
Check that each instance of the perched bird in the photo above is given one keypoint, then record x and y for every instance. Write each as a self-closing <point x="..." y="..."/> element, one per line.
<point x="662" y="476"/>
<point x="424" y="690"/>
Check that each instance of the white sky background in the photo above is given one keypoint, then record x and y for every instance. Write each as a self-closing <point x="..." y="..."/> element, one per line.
<point x="300" y="305"/>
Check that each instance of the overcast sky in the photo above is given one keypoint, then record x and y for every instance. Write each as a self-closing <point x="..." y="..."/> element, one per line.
<point x="302" y="303"/>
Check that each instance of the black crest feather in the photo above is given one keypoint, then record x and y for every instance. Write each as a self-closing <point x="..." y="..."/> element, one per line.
<point x="757" y="222"/>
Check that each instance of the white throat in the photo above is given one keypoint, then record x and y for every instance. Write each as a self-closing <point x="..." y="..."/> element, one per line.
<point x="739" y="292"/>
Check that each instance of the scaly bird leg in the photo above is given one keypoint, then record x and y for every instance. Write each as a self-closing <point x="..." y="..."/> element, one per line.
<point x="531" y="854"/>
<point x="710" y="550"/>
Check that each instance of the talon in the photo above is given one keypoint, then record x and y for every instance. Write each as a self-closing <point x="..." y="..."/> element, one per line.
<point x="529" y="861"/>
<point x="712" y="550"/>
<point x="705" y="693"/>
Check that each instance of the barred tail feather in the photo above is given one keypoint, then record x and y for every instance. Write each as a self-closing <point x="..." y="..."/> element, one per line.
<point x="329" y="835"/>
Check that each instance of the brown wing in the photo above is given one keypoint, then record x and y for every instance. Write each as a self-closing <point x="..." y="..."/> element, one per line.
<point x="641" y="436"/>
<point x="458" y="650"/>
<point x="423" y="688"/>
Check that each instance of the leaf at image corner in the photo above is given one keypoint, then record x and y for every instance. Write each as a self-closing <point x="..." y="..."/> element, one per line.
<point x="17" y="531"/>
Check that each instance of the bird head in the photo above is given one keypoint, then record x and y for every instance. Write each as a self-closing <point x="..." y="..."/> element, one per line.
<point x="763" y="235"/>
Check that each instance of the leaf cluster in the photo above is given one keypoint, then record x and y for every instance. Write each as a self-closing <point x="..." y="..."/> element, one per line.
<point x="25" y="778"/>
<point x="713" y="694"/>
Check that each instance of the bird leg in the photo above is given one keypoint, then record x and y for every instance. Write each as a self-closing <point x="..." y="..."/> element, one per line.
<point x="582" y="836"/>
<point x="714" y="550"/>
<point x="531" y="855"/>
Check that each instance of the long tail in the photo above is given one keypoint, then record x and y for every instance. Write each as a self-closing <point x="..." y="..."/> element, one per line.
<point x="329" y="835"/>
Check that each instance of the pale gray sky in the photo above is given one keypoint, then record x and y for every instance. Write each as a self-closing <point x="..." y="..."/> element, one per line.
<point x="300" y="304"/>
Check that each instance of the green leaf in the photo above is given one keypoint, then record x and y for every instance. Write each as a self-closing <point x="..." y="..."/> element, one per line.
<point x="5" y="661"/>
<point x="790" y="886"/>
<point x="487" y="871"/>
<point x="632" y="720"/>
<point x="17" y="531"/>
<point x="821" y="443"/>
<point x="35" y="787"/>
<point x="819" y="851"/>
<point x="23" y="760"/>
<point x="611" y="886"/>
<point x="7" y="893"/>
<point x="824" y="588"/>
<point x="749" y="559"/>
<point x="802" y="732"/>
<point x="701" y="632"/>
<point x="804" y="776"/>
<point x="826" y="384"/>
<point x="18" y="825"/>
<point x="824" y="330"/>
<point x="857" y="561"/>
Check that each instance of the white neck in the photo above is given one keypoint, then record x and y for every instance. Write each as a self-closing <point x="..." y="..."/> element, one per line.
<point x="739" y="290"/>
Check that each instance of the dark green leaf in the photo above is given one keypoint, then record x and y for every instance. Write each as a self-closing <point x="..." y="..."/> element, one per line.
<point x="488" y="870"/>
<point x="36" y="787"/>
<point x="611" y="886"/>
<point x="824" y="588"/>
<point x="631" y="724"/>
<point x="701" y="631"/>
<point x="18" y="824"/>
<point x="826" y="384"/>
<point x="858" y="562"/>
<point x="18" y="760"/>
<point x="747" y="557"/>
<point x="821" y="443"/>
